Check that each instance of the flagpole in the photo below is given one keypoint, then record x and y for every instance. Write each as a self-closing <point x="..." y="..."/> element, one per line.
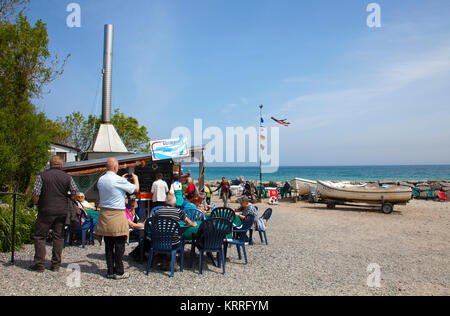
<point x="260" y="149"/>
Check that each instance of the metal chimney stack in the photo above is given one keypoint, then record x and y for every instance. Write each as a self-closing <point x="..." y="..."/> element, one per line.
<point x="107" y="74"/>
<point x="107" y="142"/>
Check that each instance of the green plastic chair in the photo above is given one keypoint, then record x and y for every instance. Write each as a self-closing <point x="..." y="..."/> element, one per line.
<point x="262" y="191"/>
<point x="431" y="194"/>
<point x="416" y="193"/>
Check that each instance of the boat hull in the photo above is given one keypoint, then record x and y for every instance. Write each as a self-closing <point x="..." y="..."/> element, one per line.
<point x="361" y="194"/>
<point x="303" y="186"/>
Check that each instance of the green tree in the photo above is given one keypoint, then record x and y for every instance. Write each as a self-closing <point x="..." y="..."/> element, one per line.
<point x="76" y="130"/>
<point x="26" y="68"/>
<point x="9" y="8"/>
<point x="134" y="136"/>
<point x="79" y="131"/>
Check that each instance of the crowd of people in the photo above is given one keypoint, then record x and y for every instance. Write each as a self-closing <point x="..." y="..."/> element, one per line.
<point x="60" y="203"/>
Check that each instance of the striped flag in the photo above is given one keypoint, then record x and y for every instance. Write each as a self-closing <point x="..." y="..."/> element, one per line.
<point x="282" y="122"/>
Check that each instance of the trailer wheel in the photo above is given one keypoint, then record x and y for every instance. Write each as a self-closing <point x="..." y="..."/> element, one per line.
<point x="387" y="208"/>
<point x="331" y="206"/>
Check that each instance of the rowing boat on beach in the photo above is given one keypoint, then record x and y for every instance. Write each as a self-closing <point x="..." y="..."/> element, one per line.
<point x="363" y="193"/>
<point x="303" y="186"/>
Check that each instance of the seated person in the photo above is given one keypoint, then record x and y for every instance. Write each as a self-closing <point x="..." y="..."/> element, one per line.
<point x="285" y="190"/>
<point x="89" y="213"/>
<point x="135" y="228"/>
<point x="246" y="208"/>
<point x="204" y="207"/>
<point x="130" y="217"/>
<point x="237" y="181"/>
<point x="86" y="205"/>
<point x="192" y="201"/>
<point x="172" y="211"/>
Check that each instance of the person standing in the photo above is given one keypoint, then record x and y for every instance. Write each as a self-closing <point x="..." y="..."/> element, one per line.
<point x="208" y="193"/>
<point x="225" y="192"/>
<point x="159" y="190"/>
<point x="112" y="222"/>
<point x="176" y="189"/>
<point x="51" y="194"/>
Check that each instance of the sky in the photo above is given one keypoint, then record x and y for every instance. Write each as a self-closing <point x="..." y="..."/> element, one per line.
<point x="355" y="95"/>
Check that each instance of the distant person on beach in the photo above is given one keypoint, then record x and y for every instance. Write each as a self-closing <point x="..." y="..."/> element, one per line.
<point x="112" y="222"/>
<point x="159" y="190"/>
<point x="225" y="192"/>
<point x="237" y="181"/>
<point x="208" y="193"/>
<point x="191" y="187"/>
<point x="50" y="194"/>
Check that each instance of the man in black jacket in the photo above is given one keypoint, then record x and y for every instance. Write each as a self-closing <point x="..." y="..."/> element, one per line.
<point x="51" y="192"/>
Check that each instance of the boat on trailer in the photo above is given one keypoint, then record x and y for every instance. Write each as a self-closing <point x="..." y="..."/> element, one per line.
<point x="303" y="186"/>
<point x="341" y="193"/>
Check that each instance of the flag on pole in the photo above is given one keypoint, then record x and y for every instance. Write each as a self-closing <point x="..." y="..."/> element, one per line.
<point x="282" y="122"/>
<point x="263" y="138"/>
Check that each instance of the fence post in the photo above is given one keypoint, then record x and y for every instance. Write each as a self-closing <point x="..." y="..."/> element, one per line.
<point x="13" y="243"/>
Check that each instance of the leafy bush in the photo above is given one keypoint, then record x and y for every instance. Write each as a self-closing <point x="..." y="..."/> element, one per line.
<point x="272" y="184"/>
<point x="25" y="220"/>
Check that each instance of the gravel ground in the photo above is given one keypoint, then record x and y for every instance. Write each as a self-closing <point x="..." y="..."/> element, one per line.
<point x="312" y="251"/>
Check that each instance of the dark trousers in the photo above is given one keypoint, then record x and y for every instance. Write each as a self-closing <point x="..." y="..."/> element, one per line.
<point x="115" y="249"/>
<point x="43" y="225"/>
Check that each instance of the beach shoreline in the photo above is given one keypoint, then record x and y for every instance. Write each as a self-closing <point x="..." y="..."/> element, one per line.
<point x="422" y="185"/>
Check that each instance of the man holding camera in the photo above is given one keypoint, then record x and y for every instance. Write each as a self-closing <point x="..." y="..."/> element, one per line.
<point x="112" y="223"/>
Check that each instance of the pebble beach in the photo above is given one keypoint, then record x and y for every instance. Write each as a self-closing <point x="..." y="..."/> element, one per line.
<point x="311" y="251"/>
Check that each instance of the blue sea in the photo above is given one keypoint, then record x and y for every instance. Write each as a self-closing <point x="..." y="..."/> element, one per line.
<point x="356" y="173"/>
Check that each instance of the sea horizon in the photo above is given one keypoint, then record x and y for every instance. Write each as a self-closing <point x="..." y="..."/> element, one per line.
<point x="429" y="172"/>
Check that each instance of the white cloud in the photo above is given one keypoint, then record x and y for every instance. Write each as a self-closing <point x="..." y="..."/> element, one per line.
<point x="319" y="109"/>
<point x="228" y="108"/>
